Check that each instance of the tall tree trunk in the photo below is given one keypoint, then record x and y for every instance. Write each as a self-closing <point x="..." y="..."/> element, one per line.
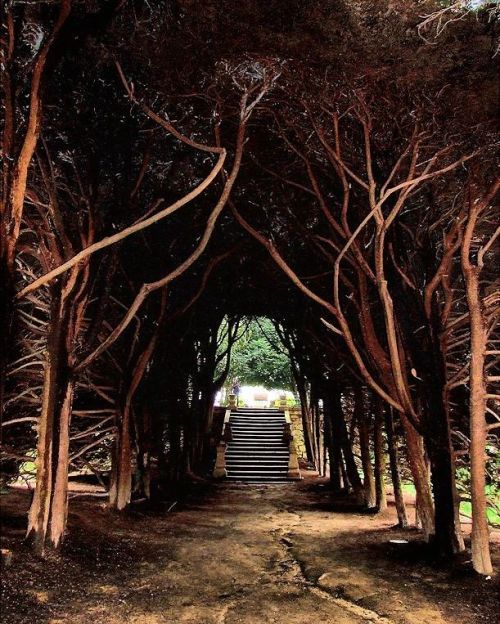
<point x="353" y="477"/>
<point x="481" y="558"/>
<point x="363" y="418"/>
<point x="120" y="491"/>
<point x="59" y="510"/>
<point x="16" y="168"/>
<point x="448" y="538"/>
<point x="48" y="510"/>
<point x="305" y="413"/>
<point x="429" y="358"/>
<point x="420" y="474"/>
<point x="143" y="441"/>
<point x="378" y="446"/>
<point x="333" y="444"/>
<point x="318" y="438"/>
<point x="6" y="333"/>
<point x="391" y="369"/>
<point x="394" y="463"/>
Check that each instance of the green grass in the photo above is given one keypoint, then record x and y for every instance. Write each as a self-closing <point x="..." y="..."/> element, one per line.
<point x="493" y="517"/>
<point x="465" y="507"/>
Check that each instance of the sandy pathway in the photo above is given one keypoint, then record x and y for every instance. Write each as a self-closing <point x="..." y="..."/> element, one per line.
<point x="248" y="555"/>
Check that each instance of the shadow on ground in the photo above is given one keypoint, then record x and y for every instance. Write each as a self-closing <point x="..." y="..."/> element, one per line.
<point x="230" y="554"/>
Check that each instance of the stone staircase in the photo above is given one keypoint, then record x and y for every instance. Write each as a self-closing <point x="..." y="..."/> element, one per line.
<point x="257" y="450"/>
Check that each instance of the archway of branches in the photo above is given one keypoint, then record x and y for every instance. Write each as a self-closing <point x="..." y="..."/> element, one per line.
<point x="344" y="198"/>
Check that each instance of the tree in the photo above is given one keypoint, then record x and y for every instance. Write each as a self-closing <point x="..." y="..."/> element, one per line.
<point x="258" y="357"/>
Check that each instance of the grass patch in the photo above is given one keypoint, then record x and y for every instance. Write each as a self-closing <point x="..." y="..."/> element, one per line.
<point x="465" y="507"/>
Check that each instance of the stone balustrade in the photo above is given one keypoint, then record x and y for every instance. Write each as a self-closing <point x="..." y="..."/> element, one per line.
<point x="220" y="461"/>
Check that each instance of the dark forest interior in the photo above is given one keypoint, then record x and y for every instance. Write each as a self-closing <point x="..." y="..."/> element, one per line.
<point x="171" y="168"/>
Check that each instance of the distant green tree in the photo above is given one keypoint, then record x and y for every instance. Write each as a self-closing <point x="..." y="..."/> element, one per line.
<point x="258" y="358"/>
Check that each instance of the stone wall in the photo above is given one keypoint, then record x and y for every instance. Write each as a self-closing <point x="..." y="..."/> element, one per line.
<point x="298" y="432"/>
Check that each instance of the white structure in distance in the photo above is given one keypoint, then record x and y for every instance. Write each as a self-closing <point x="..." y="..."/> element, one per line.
<point x="255" y="396"/>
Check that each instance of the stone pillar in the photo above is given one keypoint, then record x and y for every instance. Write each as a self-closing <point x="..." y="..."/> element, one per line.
<point x="297" y="431"/>
<point x="293" y="462"/>
<point x="220" y="462"/>
<point x="219" y="471"/>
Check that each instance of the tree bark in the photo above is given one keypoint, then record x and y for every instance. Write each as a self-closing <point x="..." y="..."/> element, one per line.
<point x="378" y="445"/>
<point x="48" y="510"/>
<point x="448" y="538"/>
<point x="333" y="444"/>
<point x="363" y="418"/>
<point x="306" y="417"/>
<point x="394" y="463"/>
<point x="418" y="466"/>
<point x="481" y="558"/>
<point x="59" y="511"/>
<point x="353" y="477"/>
<point x="143" y="429"/>
<point x="120" y="491"/>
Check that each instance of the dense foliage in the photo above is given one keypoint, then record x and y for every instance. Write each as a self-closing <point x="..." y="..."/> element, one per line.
<point x="258" y="357"/>
<point x="330" y="165"/>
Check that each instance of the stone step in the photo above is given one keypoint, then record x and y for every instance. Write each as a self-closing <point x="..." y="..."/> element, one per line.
<point x="259" y="480"/>
<point x="258" y="474"/>
<point x="253" y="446"/>
<point x="252" y="461"/>
<point x="258" y="416"/>
<point x="254" y="422"/>
<point x="258" y="453"/>
<point x="256" y="440"/>
<point x="258" y="437"/>
<point x="255" y="410"/>
<point x="276" y="461"/>
<point x="256" y="428"/>
<point x="248" y="446"/>
<point x="257" y="457"/>
<point x="257" y="467"/>
<point x="257" y="432"/>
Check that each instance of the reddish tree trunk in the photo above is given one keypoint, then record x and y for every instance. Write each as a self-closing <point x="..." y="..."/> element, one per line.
<point x="362" y="418"/>
<point x="333" y="444"/>
<point x="481" y="558"/>
<point x="352" y="473"/>
<point x="420" y="473"/>
<point x="378" y="445"/>
<point x="394" y="463"/>
<point x="120" y="490"/>
<point x="143" y="430"/>
<point x="59" y="511"/>
<point x="48" y="510"/>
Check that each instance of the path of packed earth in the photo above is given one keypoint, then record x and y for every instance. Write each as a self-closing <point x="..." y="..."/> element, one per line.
<point x="247" y="554"/>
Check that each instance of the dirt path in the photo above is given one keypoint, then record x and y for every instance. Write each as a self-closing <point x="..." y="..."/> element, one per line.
<point x="237" y="554"/>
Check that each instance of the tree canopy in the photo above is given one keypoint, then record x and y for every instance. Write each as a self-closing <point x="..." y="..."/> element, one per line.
<point x="330" y="165"/>
<point x="258" y="357"/>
